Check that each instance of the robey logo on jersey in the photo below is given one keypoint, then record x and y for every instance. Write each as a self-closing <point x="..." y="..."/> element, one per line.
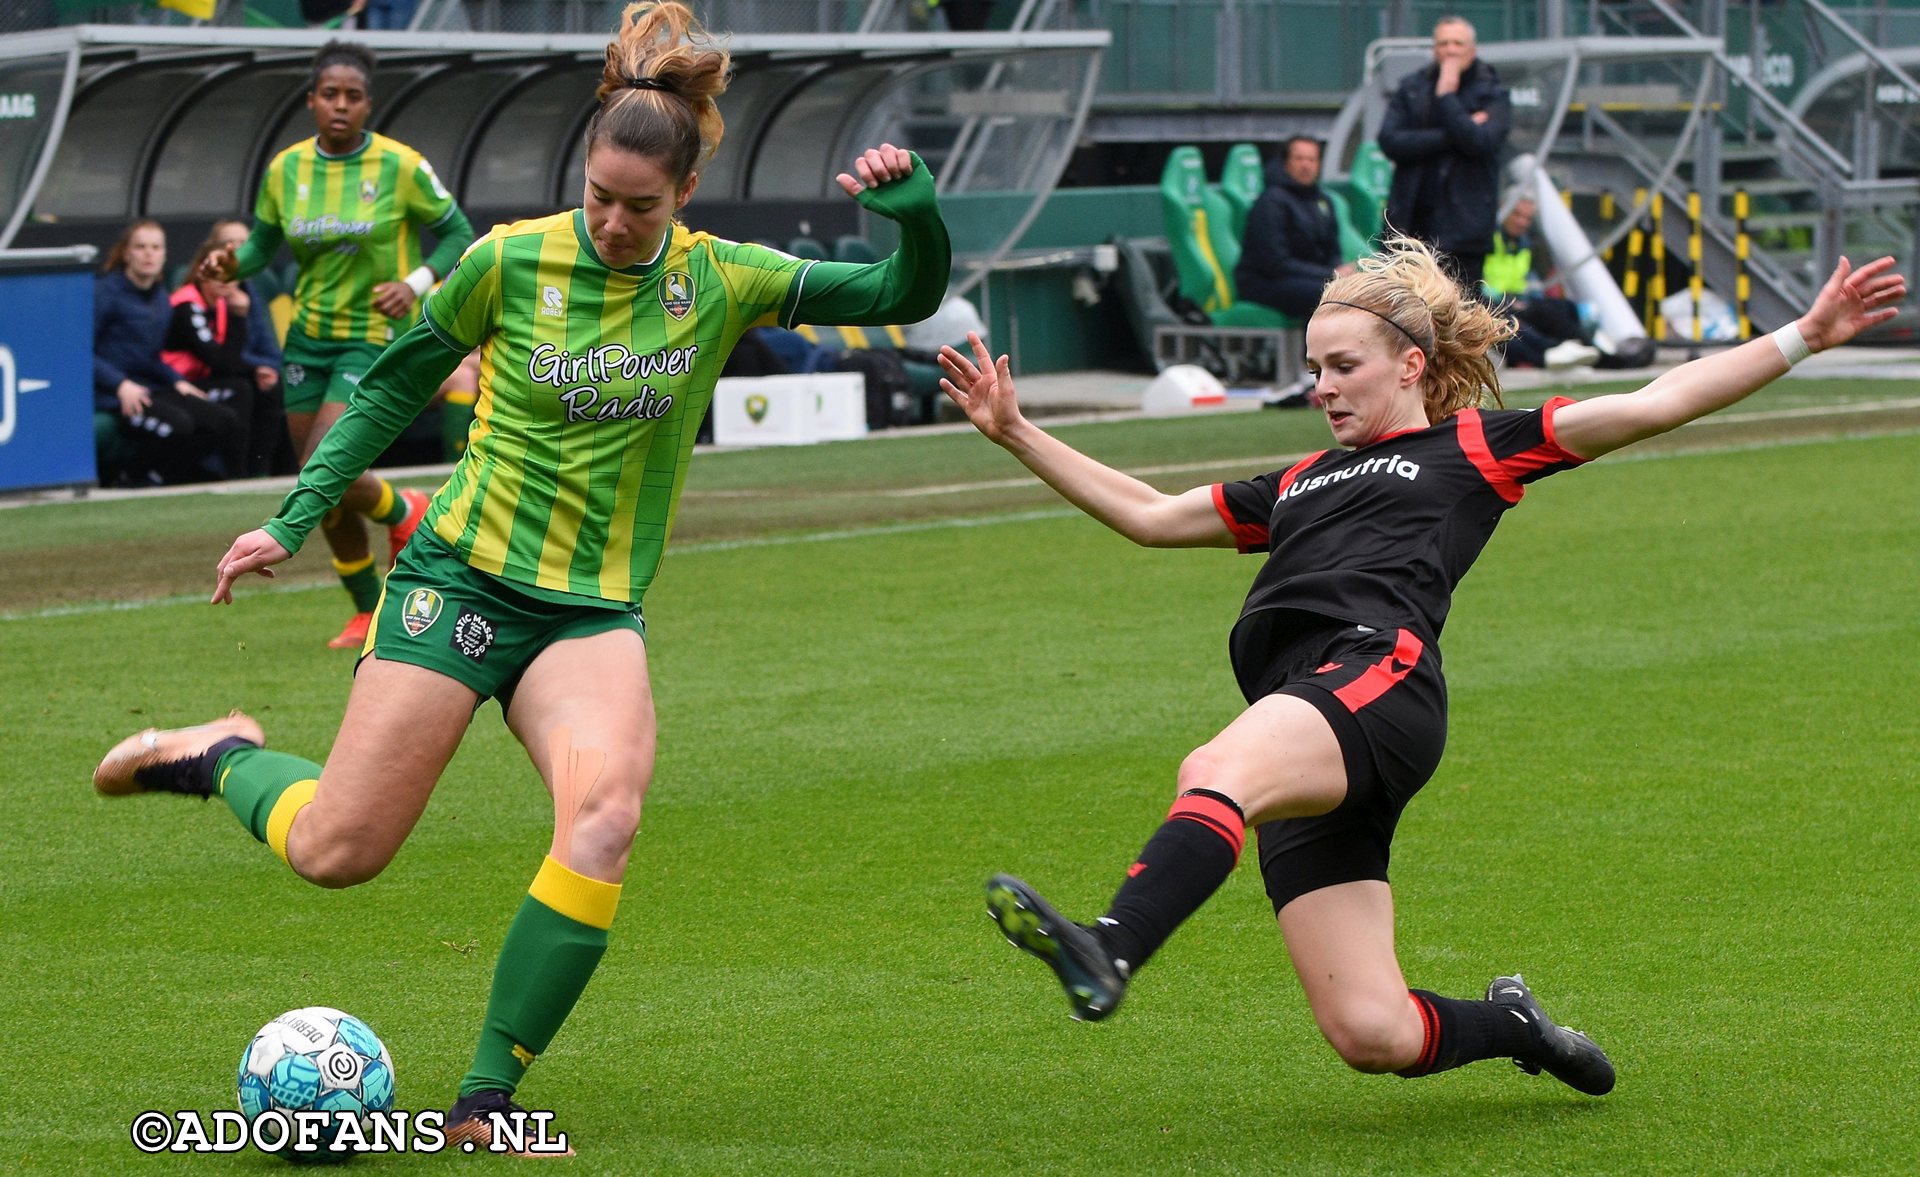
<point x="1394" y="465"/>
<point x="609" y="362"/>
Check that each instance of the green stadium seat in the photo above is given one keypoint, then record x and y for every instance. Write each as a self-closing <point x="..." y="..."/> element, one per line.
<point x="854" y="248"/>
<point x="1354" y="244"/>
<point x="809" y="248"/>
<point x="1372" y="172"/>
<point x="1204" y="246"/>
<point x="1362" y="213"/>
<point x="1196" y="220"/>
<point x="1242" y="178"/>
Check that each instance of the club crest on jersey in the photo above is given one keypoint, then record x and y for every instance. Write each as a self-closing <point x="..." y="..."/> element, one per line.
<point x="295" y="374"/>
<point x="676" y="293"/>
<point x="419" y="611"/>
<point x="756" y="408"/>
<point x="369" y="191"/>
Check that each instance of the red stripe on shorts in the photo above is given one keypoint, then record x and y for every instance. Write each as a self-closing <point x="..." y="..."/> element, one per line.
<point x="1379" y="678"/>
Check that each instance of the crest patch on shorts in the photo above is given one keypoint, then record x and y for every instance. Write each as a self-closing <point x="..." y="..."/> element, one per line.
<point x="420" y="610"/>
<point x="472" y="634"/>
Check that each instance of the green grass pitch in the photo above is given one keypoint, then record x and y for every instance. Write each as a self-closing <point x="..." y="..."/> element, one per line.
<point x="1680" y="796"/>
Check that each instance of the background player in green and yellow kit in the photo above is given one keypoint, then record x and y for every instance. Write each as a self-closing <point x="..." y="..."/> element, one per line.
<point x="601" y="333"/>
<point x="350" y="204"/>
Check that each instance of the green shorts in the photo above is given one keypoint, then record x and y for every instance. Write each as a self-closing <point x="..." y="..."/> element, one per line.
<point x="439" y="612"/>
<point x="317" y="371"/>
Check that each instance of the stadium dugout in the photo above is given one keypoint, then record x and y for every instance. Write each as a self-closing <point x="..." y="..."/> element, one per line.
<point x="112" y="123"/>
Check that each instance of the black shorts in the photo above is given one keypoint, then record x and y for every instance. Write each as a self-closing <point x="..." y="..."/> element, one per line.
<point x="1383" y="694"/>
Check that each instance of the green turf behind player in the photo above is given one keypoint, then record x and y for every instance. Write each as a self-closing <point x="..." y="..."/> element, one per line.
<point x="601" y="334"/>
<point x="1336" y="649"/>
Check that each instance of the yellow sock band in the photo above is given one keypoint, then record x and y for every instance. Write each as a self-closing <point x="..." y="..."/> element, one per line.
<point x="461" y="396"/>
<point x="349" y="567"/>
<point x="383" y="506"/>
<point x="579" y="898"/>
<point x="298" y="796"/>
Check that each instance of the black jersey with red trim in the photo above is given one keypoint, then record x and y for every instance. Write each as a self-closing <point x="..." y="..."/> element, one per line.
<point x="1380" y="535"/>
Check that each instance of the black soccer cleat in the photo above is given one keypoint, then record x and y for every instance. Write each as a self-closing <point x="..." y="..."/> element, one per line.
<point x="1095" y="982"/>
<point x="1567" y="1055"/>
<point x="469" y="1126"/>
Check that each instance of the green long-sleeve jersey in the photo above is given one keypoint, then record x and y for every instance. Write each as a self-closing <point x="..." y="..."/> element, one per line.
<point x="352" y="221"/>
<point x="593" y="382"/>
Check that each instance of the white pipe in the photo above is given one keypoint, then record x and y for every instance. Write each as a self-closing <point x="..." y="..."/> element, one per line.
<point x="1587" y="280"/>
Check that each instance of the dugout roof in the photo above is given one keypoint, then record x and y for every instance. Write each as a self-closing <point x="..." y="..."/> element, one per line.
<point x="103" y="124"/>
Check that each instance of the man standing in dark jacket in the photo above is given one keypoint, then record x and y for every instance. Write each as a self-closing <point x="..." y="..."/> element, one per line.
<point x="1291" y="247"/>
<point x="1444" y="128"/>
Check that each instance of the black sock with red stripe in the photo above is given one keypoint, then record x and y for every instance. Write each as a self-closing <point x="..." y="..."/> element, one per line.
<point x="1462" y="1032"/>
<point x="1182" y="865"/>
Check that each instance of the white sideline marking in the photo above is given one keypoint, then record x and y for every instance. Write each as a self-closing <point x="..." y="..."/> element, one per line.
<point x="92" y="608"/>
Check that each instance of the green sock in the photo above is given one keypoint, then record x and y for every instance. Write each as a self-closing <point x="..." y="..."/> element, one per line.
<point x="361" y="581"/>
<point x="391" y="508"/>
<point x="456" y="418"/>
<point x="551" y="950"/>
<point x="254" y="782"/>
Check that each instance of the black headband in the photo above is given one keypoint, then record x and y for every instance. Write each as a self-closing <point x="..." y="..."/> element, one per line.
<point x="650" y="84"/>
<point x="1376" y="314"/>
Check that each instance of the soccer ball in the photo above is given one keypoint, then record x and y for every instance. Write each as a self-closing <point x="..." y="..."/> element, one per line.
<point x="316" y="1060"/>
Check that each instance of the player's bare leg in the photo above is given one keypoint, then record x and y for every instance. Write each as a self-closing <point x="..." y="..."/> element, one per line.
<point x="335" y="826"/>
<point x="584" y="711"/>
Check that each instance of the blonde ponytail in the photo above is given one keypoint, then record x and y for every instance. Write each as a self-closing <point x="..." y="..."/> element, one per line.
<point x="1405" y="285"/>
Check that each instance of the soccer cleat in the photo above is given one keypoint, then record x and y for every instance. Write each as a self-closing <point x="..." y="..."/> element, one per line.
<point x="401" y="532"/>
<point x="171" y="761"/>
<point x="355" y="635"/>
<point x="1095" y="982"/>
<point x="1567" y="1055"/>
<point x="470" y="1126"/>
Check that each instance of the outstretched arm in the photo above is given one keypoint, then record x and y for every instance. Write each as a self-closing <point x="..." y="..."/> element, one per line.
<point x="908" y="285"/>
<point x="1851" y="301"/>
<point x="983" y="388"/>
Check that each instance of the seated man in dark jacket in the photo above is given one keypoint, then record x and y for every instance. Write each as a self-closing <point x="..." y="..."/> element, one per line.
<point x="1291" y="248"/>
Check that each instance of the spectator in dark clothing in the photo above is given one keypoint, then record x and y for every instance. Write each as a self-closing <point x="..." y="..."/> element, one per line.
<point x="1444" y="129"/>
<point x="206" y="342"/>
<point x="172" y="433"/>
<point x="1291" y="248"/>
<point x="270" y="448"/>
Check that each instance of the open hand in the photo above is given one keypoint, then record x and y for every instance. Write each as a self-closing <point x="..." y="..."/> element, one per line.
<point x="255" y="551"/>
<point x="877" y="166"/>
<point x="982" y="387"/>
<point x="1851" y="301"/>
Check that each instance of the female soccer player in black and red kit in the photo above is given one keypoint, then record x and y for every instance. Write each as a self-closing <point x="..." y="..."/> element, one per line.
<point x="1335" y="648"/>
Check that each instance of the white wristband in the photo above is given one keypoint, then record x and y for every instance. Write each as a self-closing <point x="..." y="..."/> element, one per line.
<point x="1791" y="343"/>
<point x="421" y="280"/>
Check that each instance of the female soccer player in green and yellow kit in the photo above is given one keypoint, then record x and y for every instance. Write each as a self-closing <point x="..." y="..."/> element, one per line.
<point x="601" y="332"/>
<point x="350" y="205"/>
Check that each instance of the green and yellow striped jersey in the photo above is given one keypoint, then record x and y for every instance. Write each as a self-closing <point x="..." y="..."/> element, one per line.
<point x="592" y="384"/>
<point x="352" y="222"/>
